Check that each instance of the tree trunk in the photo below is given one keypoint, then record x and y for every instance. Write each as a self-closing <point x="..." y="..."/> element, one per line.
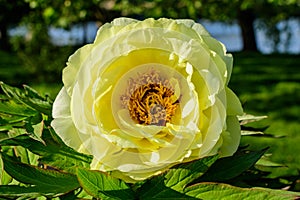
<point x="246" y="21"/>
<point x="4" y="44"/>
<point x="85" y="32"/>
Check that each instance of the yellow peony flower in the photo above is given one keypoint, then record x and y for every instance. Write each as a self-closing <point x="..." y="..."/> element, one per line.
<point x="147" y="95"/>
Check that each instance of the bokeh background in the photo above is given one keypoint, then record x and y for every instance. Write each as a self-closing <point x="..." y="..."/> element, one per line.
<point x="38" y="36"/>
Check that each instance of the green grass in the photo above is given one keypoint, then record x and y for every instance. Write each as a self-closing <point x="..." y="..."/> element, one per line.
<point x="266" y="84"/>
<point x="270" y="85"/>
<point x="11" y="68"/>
<point x="15" y="73"/>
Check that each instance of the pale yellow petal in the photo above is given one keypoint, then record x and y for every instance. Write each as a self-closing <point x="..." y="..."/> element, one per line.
<point x="70" y="73"/>
<point x="66" y="130"/>
<point x="80" y="111"/>
<point x="109" y="30"/>
<point x="220" y="50"/>
<point x="231" y="137"/>
<point x="61" y="105"/>
<point x="234" y="106"/>
<point x="215" y="127"/>
<point x="195" y="26"/>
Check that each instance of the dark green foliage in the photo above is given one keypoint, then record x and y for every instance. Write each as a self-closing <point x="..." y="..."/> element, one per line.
<point x="55" y="181"/>
<point x="35" y="162"/>
<point x="230" y="167"/>
<point x="103" y="186"/>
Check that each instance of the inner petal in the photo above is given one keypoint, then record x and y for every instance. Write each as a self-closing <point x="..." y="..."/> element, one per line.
<point x="163" y="86"/>
<point x="150" y="94"/>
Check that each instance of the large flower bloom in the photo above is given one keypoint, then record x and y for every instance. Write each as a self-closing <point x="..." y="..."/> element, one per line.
<point x="147" y="95"/>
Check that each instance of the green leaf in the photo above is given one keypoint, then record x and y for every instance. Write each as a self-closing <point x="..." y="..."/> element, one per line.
<point x="4" y="177"/>
<point x="155" y="188"/>
<point x="26" y="141"/>
<point x="61" y="155"/>
<point x="266" y="162"/>
<point x="52" y="139"/>
<point x="32" y="93"/>
<point x="247" y="118"/>
<point x="64" y="162"/>
<point x="212" y="191"/>
<point x="261" y="134"/>
<point x="170" y="185"/>
<point x="13" y="120"/>
<point x="15" y="191"/>
<point x="181" y="175"/>
<point x="29" y="98"/>
<point x="103" y="186"/>
<point x="253" y="131"/>
<point x="55" y="181"/>
<point x="9" y="122"/>
<point x="230" y="167"/>
<point x="54" y="154"/>
<point x="11" y="107"/>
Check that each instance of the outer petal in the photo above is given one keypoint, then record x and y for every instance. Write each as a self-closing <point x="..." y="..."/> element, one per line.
<point x="109" y="30"/>
<point x="61" y="105"/>
<point x="220" y="50"/>
<point x="195" y="26"/>
<point x="212" y="43"/>
<point x="234" y="106"/>
<point x="231" y="137"/>
<point x="73" y="66"/>
<point x="63" y="124"/>
<point x="215" y="126"/>
<point x="65" y="128"/>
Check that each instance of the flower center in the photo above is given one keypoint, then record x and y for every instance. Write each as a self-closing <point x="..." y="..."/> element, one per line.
<point x="150" y="99"/>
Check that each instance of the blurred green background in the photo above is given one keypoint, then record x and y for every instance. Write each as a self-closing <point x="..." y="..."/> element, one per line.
<point x="266" y="73"/>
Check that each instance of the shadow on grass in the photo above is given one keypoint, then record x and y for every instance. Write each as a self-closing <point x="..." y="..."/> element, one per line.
<point x="270" y="85"/>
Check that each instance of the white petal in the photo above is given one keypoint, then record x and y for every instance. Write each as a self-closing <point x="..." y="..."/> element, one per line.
<point x="61" y="105"/>
<point x="66" y="130"/>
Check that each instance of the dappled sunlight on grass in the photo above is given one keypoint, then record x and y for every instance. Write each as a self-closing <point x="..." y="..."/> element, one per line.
<point x="270" y="85"/>
<point x="50" y="90"/>
<point x="281" y="100"/>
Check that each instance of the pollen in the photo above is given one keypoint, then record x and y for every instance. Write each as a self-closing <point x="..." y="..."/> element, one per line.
<point x="150" y="99"/>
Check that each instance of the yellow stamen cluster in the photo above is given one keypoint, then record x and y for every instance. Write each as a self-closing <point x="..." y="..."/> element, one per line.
<point x="150" y="99"/>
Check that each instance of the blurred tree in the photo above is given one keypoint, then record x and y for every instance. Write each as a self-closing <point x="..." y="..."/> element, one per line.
<point x="12" y="11"/>
<point x="65" y="13"/>
<point x="38" y="55"/>
<point x="244" y="11"/>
